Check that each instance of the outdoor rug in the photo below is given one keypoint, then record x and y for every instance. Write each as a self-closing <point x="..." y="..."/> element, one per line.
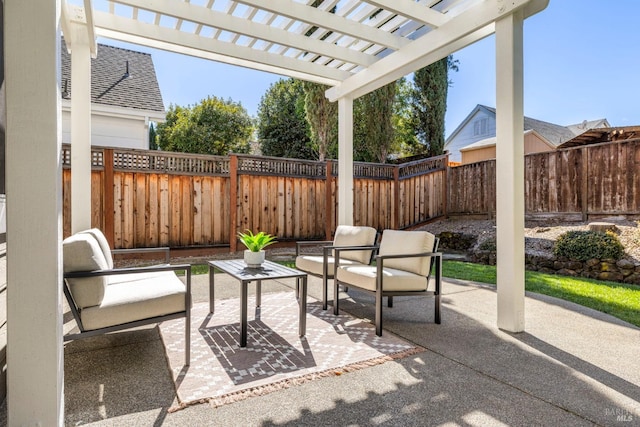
<point x="275" y="357"/>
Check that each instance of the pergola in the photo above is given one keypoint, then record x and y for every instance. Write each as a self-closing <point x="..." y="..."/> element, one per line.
<point x="353" y="46"/>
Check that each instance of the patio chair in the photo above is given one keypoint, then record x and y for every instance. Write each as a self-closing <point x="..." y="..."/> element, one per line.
<point x="104" y="299"/>
<point x="346" y="236"/>
<point x="403" y="267"/>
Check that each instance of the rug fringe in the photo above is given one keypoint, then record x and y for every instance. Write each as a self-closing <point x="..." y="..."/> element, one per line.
<point x="240" y="395"/>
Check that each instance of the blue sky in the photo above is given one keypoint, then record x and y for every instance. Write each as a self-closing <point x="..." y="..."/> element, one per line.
<point x="582" y="62"/>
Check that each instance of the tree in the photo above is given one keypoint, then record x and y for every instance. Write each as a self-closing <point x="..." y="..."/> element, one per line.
<point x="323" y="120"/>
<point x="431" y="84"/>
<point x="214" y="126"/>
<point x="283" y="130"/>
<point x="373" y="125"/>
<point x="153" y="145"/>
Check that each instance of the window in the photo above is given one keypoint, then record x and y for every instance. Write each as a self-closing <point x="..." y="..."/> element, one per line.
<point x="480" y="127"/>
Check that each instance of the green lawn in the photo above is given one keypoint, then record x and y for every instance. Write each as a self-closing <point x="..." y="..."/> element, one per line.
<point x="617" y="299"/>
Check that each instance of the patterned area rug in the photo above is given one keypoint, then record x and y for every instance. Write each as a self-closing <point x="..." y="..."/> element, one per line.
<point x="275" y="357"/>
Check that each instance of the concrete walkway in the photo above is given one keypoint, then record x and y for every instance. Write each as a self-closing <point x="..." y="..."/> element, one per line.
<point x="572" y="367"/>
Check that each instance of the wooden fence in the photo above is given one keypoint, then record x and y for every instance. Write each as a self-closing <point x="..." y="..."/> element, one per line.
<point x="574" y="183"/>
<point x="152" y="198"/>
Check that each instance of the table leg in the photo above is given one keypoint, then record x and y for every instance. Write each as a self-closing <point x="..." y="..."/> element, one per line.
<point x="258" y="293"/>
<point x="303" y="306"/>
<point x="243" y="313"/>
<point x="211" y="295"/>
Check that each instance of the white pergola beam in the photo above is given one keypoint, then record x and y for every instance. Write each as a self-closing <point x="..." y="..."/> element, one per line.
<point x="144" y="34"/>
<point x="412" y="10"/>
<point x="468" y="27"/>
<point x="227" y="22"/>
<point x="320" y="18"/>
<point x="73" y="15"/>
<point x="510" y="172"/>
<point x="34" y="214"/>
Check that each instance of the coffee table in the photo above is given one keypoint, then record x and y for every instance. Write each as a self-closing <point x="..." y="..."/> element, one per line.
<point x="237" y="269"/>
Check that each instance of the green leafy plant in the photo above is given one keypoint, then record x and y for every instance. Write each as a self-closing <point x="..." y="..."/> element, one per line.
<point x="585" y="245"/>
<point x="256" y="242"/>
<point x="488" y="245"/>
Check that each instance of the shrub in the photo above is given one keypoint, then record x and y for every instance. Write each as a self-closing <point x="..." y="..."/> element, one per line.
<point x="488" y="245"/>
<point x="585" y="245"/>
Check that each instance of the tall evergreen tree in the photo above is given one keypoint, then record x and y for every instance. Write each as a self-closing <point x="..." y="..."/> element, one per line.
<point x="431" y="84"/>
<point x="153" y="145"/>
<point x="283" y="130"/>
<point x="323" y="120"/>
<point x="373" y="125"/>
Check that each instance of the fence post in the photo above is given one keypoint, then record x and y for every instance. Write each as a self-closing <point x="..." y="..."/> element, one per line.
<point x="396" y="198"/>
<point x="233" y="202"/>
<point x="585" y="184"/>
<point x="108" y="197"/>
<point x="445" y="186"/>
<point x="330" y="207"/>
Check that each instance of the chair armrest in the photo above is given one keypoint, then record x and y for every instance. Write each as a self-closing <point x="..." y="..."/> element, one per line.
<point x="422" y="254"/>
<point x="299" y="245"/>
<point x="165" y="249"/>
<point x="115" y="271"/>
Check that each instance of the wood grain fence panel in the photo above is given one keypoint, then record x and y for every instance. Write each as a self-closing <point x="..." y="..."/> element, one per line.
<point x="139" y="204"/>
<point x="289" y="222"/>
<point x="97" y="201"/>
<point x="303" y="214"/>
<point x="281" y="229"/>
<point x="164" y="224"/>
<point x="66" y="202"/>
<point x="187" y="211"/>
<point x="206" y="211"/>
<point x="117" y="210"/>
<point x="128" y="220"/>
<point x="153" y="220"/>
<point x="633" y="178"/>
<point x="175" y="203"/>
<point x="197" y="236"/>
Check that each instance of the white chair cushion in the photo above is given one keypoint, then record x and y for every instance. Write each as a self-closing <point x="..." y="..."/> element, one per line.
<point x="312" y="264"/>
<point x="104" y="244"/>
<point x="364" y="276"/>
<point x="147" y="296"/>
<point x="396" y="242"/>
<point x="348" y="235"/>
<point x="81" y="252"/>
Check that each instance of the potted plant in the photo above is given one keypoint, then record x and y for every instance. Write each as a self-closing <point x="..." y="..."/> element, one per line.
<point x="254" y="254"/>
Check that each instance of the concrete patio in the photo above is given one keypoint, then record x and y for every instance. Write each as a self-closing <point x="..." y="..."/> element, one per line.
<point x="572" y="366"/>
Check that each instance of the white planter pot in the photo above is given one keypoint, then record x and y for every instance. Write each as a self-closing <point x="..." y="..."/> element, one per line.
<point x="253" y="259"/>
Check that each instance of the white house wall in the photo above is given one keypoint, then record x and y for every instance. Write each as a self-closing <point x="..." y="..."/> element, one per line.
<point x="109" y="131"/>
<point x="467" y="134"/>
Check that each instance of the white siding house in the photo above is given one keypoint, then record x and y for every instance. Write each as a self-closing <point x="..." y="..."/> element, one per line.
<point x="125" y="97"/>
<point x="480" y="125"/>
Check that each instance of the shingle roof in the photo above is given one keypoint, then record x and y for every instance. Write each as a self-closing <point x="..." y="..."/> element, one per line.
<point x="555" y="134"/>
<point x="109" y="85"/>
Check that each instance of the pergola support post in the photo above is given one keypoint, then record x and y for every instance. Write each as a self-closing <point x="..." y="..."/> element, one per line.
<point x="80" y="129"/>
<point x="34" y="213"/>
<point x="345" y="161"/>
<point x="510" y="172"/>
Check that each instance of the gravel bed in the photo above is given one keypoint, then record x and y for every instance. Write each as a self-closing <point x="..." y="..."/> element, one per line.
<point x="539" y="239"/>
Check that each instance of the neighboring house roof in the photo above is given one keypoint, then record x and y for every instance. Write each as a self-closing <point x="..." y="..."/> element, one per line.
<point x="552" y="133"/>
<point x="109" y="83"/>
<point x="599" y="135"/>
<point x="555" y="134"/>
<point x="579" y="128"/>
